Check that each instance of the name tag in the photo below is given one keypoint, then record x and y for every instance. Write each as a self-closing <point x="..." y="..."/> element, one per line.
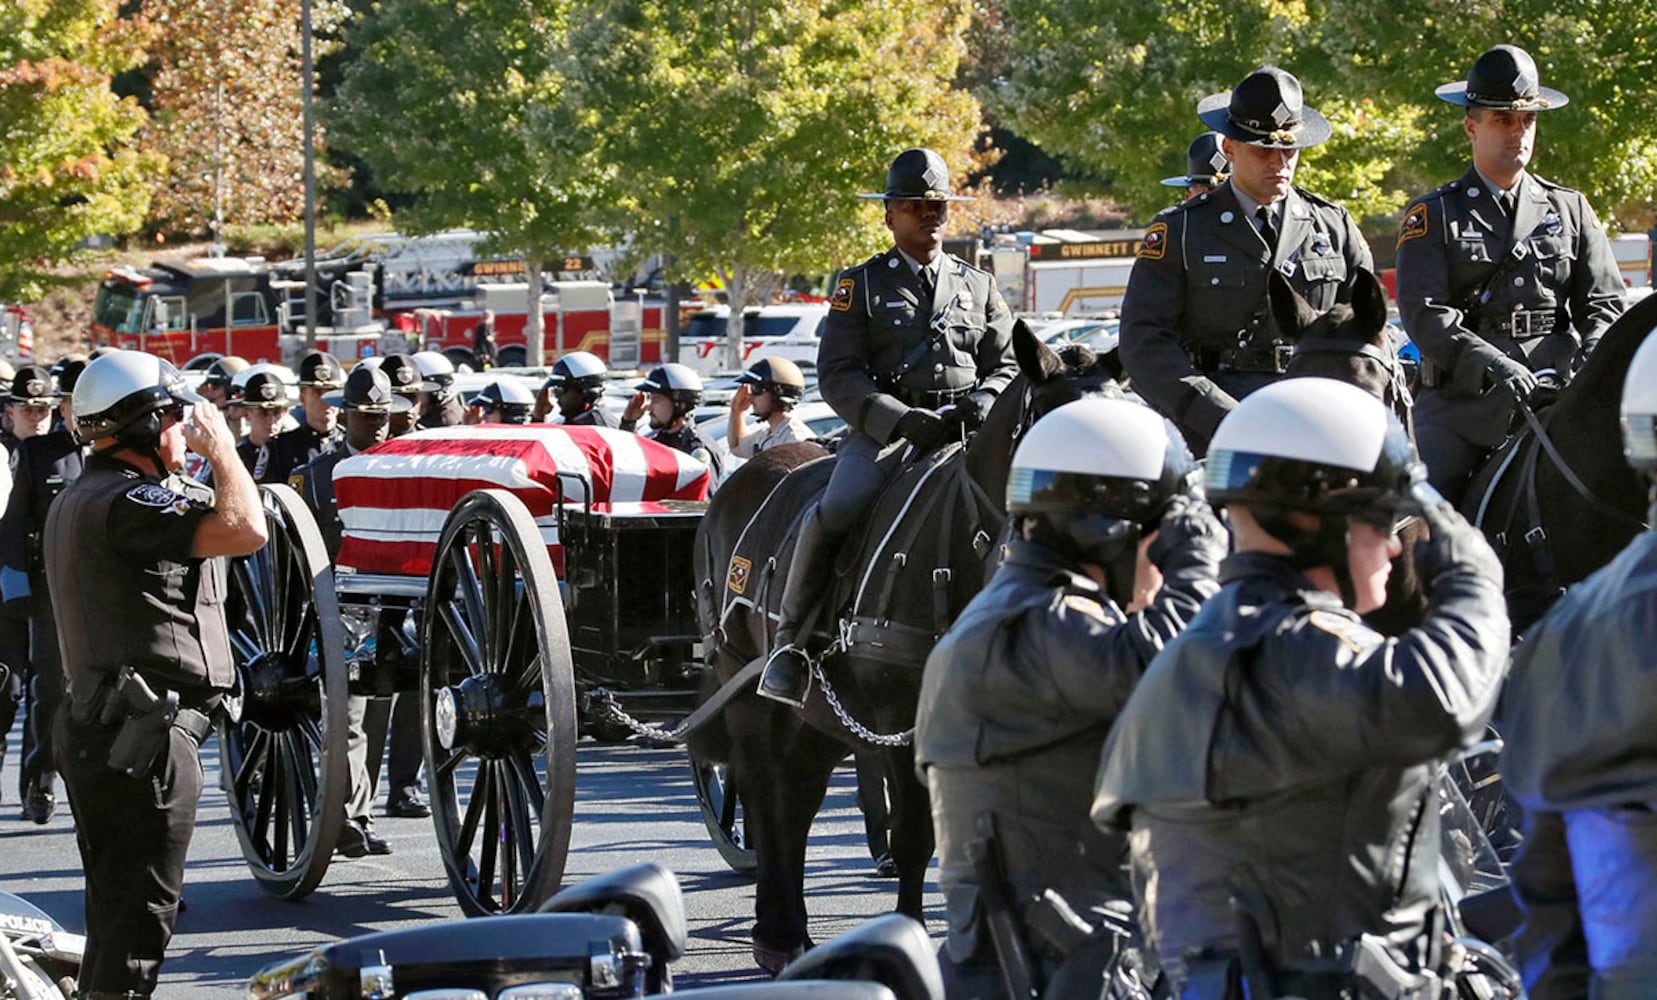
<point x="1471" y="234"/>
<point x="898" y="304"/>
<point x="1214" y="258"/>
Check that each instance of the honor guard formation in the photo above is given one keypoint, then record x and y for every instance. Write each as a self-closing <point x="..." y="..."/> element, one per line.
<point x="1208" y="682"/>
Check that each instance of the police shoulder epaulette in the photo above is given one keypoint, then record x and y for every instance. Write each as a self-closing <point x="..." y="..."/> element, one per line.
<point x="1318" y="199"/>
<point x="966" y="265"/>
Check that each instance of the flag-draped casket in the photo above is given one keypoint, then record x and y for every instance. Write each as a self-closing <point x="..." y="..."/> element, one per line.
<point x="394" y="497"/>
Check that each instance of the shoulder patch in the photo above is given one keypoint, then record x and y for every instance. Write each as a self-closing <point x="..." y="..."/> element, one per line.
<point x="1082" y="604"/>
<point x="297" y="481"/>
<point x="1414" y="224"/>
<point x="159" y="498"/>
<point x="841" y="300"/>
<point x="1351" y="634"/>
<point x="1155" y="243"/>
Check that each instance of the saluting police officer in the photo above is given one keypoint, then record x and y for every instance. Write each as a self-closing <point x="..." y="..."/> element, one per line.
<point x="909" y="332"/>
<point x="669" y="395"/>
<point x="1197" y="329"/>
<point x="1206" y="167"/>
<point x="1504" y="278"/>
<point x="771" y="387"/>
<point x="406" y="381"/>
<point x="319" y="374"/>
<point x="1110" y="558"/>
<point x="367" y="402"/>
<point x="146" y="650"/>
<point x="1277" y="761"/>
<point x="1579" y="722"/>
<point x="576" y="386"/>
<point x="46" y="465"/>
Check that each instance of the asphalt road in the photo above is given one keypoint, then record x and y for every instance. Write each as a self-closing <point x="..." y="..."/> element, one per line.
<point x="633" y="804"/>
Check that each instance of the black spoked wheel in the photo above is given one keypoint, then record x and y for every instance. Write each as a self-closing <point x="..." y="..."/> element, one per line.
<point x="284" y="764"/>
<point x="498" y="694"/>
<point x="716" y="794"/>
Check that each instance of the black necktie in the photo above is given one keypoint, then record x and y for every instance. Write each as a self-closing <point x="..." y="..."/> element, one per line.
<point x="1268" y="232"/>
<point x="925" y="274"/>
<point x="1504" y="201"/>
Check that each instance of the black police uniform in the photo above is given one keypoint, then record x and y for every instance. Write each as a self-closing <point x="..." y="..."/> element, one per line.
<point x="1014" y="706"/>
<point x="1579" y="722"/>
<point x="1197" y="331"/>
<point x="118" y="550"/>
<point x="594" y="416"/>
<point x="293" y="448"/>
<point x="1475" y="283"/>
<point x="1280" y="751"/>
<point x="14" y="642"/>
<point x="888" y="346"/>
<point x="46" y="466"/>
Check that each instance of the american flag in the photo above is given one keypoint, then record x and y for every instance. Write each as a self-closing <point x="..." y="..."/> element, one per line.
<point x="394" y="497"/>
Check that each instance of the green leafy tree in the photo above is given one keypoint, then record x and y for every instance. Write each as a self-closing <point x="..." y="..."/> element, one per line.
<point x="1112" y="87"/>
<point x="68" y="165"/>
<point x="743" y="131"/>
<point x="462" y="106"/>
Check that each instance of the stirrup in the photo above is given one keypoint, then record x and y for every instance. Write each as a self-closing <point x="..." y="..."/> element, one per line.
<point x="776" y="692"/>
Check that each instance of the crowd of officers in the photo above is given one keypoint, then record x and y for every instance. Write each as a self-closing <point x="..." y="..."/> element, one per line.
<point x="1152" y="719"/>
<point x="145" y="481"/>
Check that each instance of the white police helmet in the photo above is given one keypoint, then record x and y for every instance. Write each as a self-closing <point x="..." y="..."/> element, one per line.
<point x="122" y="394"/>
<point x="1316" y="445"/>
<point x="579" y="370"/>
<point x="678" y="382"/>
<point x="1092" y="477"/>
<point x="1639" y="408"/>
<point x="435" y="366"/>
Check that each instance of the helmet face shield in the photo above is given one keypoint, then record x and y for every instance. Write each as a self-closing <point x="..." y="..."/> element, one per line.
<point x="1040" y="490"/>
<point x="1379" y="496"/>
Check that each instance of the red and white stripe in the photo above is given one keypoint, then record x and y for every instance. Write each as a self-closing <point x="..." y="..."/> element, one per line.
<point x="394" y="497"/>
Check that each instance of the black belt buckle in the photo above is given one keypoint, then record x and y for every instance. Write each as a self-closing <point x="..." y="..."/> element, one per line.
<point x="1282" y="354"/>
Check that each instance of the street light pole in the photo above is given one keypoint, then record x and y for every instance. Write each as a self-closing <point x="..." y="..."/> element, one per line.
<point x="309" y="115"/>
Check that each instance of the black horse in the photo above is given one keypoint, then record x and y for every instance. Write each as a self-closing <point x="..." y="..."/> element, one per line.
<point x="1349" y="343"/>
<point x="925" y="552"/>
<point x="1550" y="531"/>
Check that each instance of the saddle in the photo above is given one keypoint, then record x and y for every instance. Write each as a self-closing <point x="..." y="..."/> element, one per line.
<point x="925" y="505"/>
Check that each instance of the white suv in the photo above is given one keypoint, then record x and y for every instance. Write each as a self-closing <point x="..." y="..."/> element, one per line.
<point x="790" y="332"/>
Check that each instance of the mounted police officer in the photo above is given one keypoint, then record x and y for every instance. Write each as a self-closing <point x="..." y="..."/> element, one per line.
<point x="1110" y="558"/>
<point x="1206" y="167"/>
<point x="1579" y="718"/>
<point x="1504" y="278"/>
<point x="46" y="465"/>
<point x="132" y="543"/>
<point x="576" y="385"/>
<point x="264" y="398"/>
<point x="1277" y="761"/>
<point x="910" y="332"/>
<point x="669" y="394"/>
<point x="319" y="374"/>
<point x="1197" y="329"/>
<point x="771" y="387"/>
<point x="367" y="402"/>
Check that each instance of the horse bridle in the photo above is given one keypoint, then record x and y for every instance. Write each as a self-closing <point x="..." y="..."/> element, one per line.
<point x="1397" y="396"/>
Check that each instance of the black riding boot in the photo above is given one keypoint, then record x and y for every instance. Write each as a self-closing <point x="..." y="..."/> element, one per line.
<point x="787" y="676"/>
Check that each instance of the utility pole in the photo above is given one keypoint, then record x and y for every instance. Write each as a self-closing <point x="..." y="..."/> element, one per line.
<point x="310" y="173"/>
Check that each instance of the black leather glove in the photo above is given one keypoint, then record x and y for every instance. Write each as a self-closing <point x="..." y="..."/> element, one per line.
<point x="1453" y="545"/>
<point x="1512" y="377"/>
<point x="923" y="428"/>
<point x="1188" y="523"/>
<point x="970" y="410"/>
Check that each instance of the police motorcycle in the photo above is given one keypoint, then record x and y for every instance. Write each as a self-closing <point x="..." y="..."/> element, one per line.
<point x="615" y="935"/>
<point x="39" y="960"/>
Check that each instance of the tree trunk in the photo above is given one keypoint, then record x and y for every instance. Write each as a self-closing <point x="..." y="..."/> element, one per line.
<point x="736" y="292"/>
<point x="534" y="324"/>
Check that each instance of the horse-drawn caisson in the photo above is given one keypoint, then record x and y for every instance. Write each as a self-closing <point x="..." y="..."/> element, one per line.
<point x="502" y="573"/>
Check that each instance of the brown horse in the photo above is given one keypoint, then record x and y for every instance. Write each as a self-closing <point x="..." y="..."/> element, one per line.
<point x="1349" y="343"/>
<point x="930" y="544"/>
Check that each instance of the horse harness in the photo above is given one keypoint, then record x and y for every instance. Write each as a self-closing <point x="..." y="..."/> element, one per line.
<point x="1533" y="443"/>
<point x="1396" y="396"/>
